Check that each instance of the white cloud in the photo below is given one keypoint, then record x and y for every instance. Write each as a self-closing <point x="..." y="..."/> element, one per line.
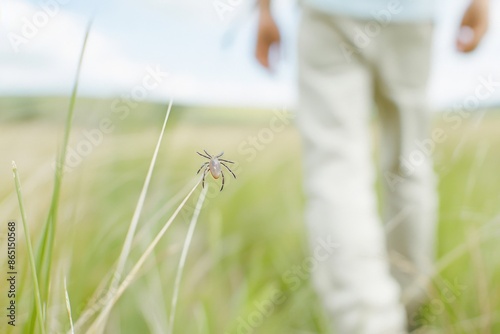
<point x="47" y="60"/>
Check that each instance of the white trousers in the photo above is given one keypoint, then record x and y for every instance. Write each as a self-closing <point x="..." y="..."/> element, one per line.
<point x="346" y="67"/>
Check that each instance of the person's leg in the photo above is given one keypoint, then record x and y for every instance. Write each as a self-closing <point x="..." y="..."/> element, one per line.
<point x="407" y="144"/>
<point x="335" y="100"/>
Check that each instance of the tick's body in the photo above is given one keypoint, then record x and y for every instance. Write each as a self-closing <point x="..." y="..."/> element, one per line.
<point x="214" y="167"/>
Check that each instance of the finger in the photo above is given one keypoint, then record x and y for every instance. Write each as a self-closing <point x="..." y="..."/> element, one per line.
<point x="466" y="38"/>
<point x="470" y="37"/>
<point x="472" y="29"/>
<point x="262" y="53"/>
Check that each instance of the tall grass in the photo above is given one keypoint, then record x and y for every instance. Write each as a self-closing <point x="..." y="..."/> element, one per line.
<point x="39" y="315"/>
<point x="45" y="253"/>
<point x="46" y="247"/>
<point x="138" y="209"/>
<point x="127" y="245"/>
<point x="182" y="261"/>
<point x="99" y="323"/>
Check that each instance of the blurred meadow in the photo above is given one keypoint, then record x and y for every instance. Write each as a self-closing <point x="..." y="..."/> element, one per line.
<point x="249" y="238"/>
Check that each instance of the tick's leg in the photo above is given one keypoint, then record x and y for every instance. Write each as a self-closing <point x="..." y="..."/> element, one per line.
<point x="201" y="167"/>
<point x="230" y="171"/>
<point x="221" y="173"/>
<point x="203" y="179"/>
<point x="231" y="162"/>
<point x="203" y="155"/>
<point x="210" y="157"/>
<point x="220" y="154"/>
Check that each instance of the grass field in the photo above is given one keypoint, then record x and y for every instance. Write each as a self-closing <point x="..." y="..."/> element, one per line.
<point x="248" y="236"/>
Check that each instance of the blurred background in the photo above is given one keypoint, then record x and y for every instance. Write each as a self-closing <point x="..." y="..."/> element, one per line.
<point x="250" y="239"/>
<point x="206" y="47"/>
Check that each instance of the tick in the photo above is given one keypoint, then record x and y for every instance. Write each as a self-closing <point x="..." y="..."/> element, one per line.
<point x="214" y="167"/>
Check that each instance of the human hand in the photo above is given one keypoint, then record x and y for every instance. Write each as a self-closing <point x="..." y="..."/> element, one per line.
<point x="473" y="26"/>
<point x="268" y="37"/>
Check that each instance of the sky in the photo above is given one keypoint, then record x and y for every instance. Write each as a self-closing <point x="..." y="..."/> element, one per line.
<point x="203" y="56"/>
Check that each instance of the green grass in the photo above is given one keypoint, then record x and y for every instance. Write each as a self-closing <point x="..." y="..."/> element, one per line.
<point x="31" y="257"/>
<point x="247" y="236"/>
<point x="44" y="256"/>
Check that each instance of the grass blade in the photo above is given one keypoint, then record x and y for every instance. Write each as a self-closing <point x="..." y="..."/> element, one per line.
<point x="127" y="245"/>
<point x="182" y="261"/>
<point x="36" y="286"/>
<point x="98" y="325"/>
<point x="68" y="306"/>
<point x="45" y="249"/>
<point x="99" y="294"/>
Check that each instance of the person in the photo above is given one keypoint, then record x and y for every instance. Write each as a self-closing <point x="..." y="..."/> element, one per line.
<point x="353" y="55"/>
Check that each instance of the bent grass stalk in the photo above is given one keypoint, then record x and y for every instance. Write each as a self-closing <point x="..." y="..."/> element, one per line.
<point x="127" y="245"/>
<point x="36" y="286"/>
<point x="68" y="306"/>
<point x="182" y="261"/>
<point x="99" y="323"/>
<point x="98" y="296"/>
